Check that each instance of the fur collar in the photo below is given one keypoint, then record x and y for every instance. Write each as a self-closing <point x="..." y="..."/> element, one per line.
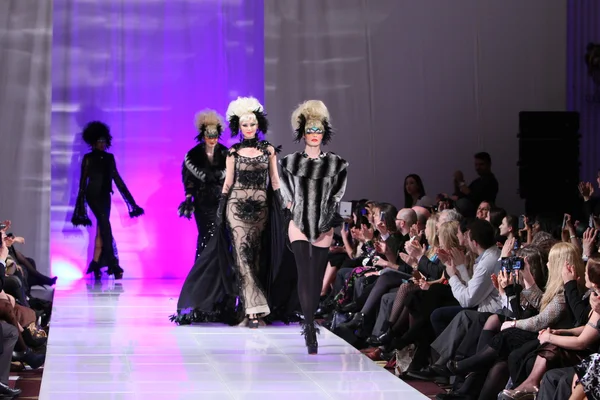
<point x="323" y="167"/>
<point x="196" y="159"/>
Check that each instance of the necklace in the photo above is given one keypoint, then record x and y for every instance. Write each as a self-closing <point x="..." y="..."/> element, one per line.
<point x="249" y="143"/>
<point x="305" y="155"/>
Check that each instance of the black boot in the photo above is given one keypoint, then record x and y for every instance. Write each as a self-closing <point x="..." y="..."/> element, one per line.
<point x="356" y="322"/>
<point x="7" y="392"/>
<point x="384" y="339"/>
<point x="310" y="337"/>
<point x="116" y="270"/>
<point x="95" y="268"/>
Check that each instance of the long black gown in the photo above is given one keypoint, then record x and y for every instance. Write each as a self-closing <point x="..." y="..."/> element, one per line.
<point x="98" y="171"/>
<point x="203" y="180"/>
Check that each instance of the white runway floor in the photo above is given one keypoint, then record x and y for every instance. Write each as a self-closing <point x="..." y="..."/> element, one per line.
<point x="116" y="342"/>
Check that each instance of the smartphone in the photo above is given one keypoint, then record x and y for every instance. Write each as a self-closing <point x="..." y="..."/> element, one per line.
<point x="363" y="211"/>
<point x="564" y="224"/>
<point x="521" y="222"/>
<point x="346" y="226"/>
<point x="382" y="216"/>
<point x="517" y="245"/>
<point x="2" y="226"/>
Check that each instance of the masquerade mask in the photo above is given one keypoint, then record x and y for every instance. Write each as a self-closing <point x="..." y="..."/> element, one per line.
<point x="101" y="140"/>
<point x="211" y="135"/>
<point x="314" y="130"/>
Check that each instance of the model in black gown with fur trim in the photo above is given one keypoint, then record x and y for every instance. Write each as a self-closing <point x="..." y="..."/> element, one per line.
<point x="203" y="175"/>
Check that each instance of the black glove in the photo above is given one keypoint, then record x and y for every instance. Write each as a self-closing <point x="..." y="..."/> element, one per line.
<point x="186" y="208"/>
<point x="221" y="210"/>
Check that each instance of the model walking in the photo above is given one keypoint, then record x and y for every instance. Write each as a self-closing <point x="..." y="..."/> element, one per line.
<point x="313" y="183"/>
<point x="98" y="171"/>
<point x="203" y="175"/>
<point x="244" y="201"/>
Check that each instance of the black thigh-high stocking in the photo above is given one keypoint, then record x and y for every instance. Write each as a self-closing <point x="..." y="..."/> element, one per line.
<point x="311" y="262"/>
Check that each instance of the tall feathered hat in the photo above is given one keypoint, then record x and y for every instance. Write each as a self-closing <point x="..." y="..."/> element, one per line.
<point x="95" y="131"/>
<point x="311" y="117"/>
<point x="208" y="123"/>
<point x="244" y="108"/>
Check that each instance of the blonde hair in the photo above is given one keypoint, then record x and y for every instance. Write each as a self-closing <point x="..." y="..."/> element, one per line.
<point x="560" y="254"/>
<point x="448" y="235"/>
<point x="313" y="110"/>
<point x="242" y="107"/>
<point x="431" y="235"/>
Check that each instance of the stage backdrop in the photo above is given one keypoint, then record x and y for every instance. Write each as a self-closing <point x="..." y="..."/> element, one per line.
<point x="417" y="86"/>
<point x="25" y="56"/>
<point x="143" y="67"/>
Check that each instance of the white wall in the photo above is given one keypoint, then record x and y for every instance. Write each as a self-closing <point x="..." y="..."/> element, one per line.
<point x="416" y="86"/>
<point x="25" y="58"/>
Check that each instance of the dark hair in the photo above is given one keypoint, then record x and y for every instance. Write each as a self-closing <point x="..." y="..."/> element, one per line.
<point x="96" y="130"/>
<point x="408" y="200"/>
<point x="513" y="222"/>
<point x="537" y="265"/>
<point x="550" y="224"/>
<point x="484" y="156"/>
<point x="390" y="215"/>
<point x="482" y="232"/>
<point x="593" y="269"/>
<point x="464" y="225"/>
<point x="496" y="216"/>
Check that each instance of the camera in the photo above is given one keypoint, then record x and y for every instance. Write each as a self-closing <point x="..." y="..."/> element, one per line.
<point x="513" y="263"/>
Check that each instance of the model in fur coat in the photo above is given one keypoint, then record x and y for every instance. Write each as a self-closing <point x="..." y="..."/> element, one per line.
<point x="98" y="171"/>
<point x="203" y="175"/>
<point x="313" y="184"/>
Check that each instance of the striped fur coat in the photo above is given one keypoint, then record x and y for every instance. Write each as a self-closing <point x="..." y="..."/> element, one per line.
<point x="315" y="188"/>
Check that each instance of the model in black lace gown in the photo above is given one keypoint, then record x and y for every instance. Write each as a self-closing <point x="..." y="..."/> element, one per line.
<point x="249" y="165"/>
<point x="98" y="171"/>
<point x="313" y="184"/>
<point x="203" y="174"/>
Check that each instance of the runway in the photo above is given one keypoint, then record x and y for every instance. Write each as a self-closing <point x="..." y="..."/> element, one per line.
<point x="116" y="342"/>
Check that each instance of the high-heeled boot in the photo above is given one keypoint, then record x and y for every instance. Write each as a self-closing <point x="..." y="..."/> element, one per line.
<point x="95" y="268"/>
<point x="309" y="331"/>
<point x="116" y="270"/>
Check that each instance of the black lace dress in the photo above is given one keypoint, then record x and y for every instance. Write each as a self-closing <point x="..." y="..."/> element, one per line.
<point x="98" y="171"/>
<point x="203" y="180"/>
<point x="247" y="214"/>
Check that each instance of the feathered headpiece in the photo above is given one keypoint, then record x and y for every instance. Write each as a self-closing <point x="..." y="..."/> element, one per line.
<point x="311" y="116"/>
<point x="208" y="123"/>
<point x="243" y="108"/>
<point x="95" y="131"/>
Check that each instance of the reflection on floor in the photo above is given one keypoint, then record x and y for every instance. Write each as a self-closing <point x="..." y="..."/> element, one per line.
<point x="115" y="342"/>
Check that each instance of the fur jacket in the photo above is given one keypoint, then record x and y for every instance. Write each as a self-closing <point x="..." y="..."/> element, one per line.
<point x="315" y="188"/>
<point x="202" y="179"/>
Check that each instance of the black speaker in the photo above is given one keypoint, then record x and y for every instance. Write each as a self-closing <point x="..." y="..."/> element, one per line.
<point x="549" y="161"/>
